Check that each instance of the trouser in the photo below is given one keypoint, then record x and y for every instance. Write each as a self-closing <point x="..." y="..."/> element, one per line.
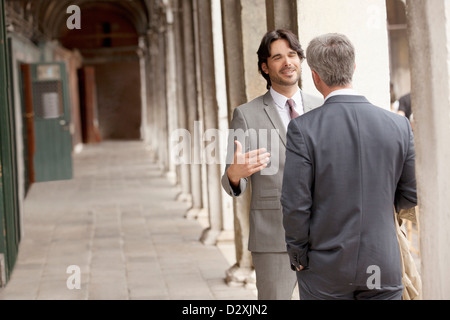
<point x="274" y="278"/>
<point x="313" y="287"/>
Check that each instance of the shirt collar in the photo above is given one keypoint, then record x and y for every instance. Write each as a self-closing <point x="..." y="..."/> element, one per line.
<point x="280" y="100"/>
<point x="351" y="92"/>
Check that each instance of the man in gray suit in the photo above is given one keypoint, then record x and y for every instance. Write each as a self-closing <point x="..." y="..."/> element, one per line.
<point x="259" y="133"/>
<point x="348" y="163"/>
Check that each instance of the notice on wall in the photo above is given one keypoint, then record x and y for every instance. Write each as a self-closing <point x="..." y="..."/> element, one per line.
<point x="50" y="105"/>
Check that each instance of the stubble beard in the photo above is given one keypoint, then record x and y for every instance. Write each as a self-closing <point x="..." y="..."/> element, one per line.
<point x="287" y="82"/>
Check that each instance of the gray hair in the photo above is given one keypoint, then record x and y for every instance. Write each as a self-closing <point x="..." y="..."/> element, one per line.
<point x="332" y="56"/>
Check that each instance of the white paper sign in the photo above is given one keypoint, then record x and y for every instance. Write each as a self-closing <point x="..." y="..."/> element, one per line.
<point x="50" y="105"/>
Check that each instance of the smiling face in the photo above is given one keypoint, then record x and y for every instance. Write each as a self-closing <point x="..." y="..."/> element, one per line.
<point x="283" y="67"/>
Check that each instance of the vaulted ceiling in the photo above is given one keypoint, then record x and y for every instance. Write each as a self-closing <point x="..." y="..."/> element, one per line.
<point x="52" y="14"/>
<point x="108" y="27"/>
<point x="47" y="18"/>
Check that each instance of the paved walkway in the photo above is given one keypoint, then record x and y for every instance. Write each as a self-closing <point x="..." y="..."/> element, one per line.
<point x="118" y="222"/>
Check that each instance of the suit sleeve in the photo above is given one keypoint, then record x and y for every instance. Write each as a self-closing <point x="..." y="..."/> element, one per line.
<point x="296" y="196"/>
<point x="238" y="130"/>
<point x="406" y="193"/>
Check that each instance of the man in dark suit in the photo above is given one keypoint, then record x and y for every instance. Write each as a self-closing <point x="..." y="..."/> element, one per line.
<point x="348" y="163"/>
<point x="259" y="128"/>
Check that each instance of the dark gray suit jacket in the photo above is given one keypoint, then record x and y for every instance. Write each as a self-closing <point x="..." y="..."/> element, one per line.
<point x="347" y="164"/>
<point x="251" y="121"/>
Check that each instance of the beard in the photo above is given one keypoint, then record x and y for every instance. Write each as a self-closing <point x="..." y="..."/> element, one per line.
<point x="284" y="80"/>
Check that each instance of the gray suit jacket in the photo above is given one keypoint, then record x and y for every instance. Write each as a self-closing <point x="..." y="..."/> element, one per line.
<point x="252" y="123"/>
<point x="347" y="164"/>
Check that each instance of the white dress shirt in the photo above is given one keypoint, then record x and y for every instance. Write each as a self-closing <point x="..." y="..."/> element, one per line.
<point x="283" y="108"/>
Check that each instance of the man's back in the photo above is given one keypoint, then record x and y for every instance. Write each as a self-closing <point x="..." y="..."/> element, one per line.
<point x="356" y="153"/>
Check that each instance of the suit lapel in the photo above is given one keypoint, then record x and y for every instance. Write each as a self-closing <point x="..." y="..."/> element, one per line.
<point x="271" y="110"/>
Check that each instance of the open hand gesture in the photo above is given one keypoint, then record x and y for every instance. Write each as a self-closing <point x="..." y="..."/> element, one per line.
<point x="244" y="165"/>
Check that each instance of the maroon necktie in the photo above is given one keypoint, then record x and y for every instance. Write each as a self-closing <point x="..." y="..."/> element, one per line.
<point x="292" y="111"/>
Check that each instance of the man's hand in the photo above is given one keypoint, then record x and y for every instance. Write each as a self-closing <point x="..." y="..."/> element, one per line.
<point x="244" y="165"/>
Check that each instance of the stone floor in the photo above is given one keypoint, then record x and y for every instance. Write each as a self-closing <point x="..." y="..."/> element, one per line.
<point x="119" y="226"/>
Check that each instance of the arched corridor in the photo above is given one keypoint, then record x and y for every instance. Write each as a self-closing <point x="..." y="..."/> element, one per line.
<point x="118" y="221"/>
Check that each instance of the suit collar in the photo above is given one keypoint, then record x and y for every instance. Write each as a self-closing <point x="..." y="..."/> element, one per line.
<point x="346" y="98"/>
<point x="345" y="91"/>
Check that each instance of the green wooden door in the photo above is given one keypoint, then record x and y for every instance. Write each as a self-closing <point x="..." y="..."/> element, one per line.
<point x="53" y="139"/>
<point x="9" y="222"/>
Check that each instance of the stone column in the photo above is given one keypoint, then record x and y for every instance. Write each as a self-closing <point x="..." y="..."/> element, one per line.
<point x="142" y="53"/>
<point x="282" y="14"/>
<point x="368" y="32"/>
<point x="171" y="87"/>
<point x="210" y="117"/>
<point x="244" y="24"/>
<point x="222" y="113"/>
<point x="152" y="112"/>
<point x="184" y="168"/>
<point x="161" y="107"/>
<point x="429" y="39"/>
<point x="192" y="104"/>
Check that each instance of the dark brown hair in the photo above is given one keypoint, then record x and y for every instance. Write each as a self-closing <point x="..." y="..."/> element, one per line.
<point x="266" y="42"/>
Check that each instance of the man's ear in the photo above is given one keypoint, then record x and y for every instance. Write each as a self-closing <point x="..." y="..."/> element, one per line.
<point x="316" y="78"/>
<point x="264" y="68"/>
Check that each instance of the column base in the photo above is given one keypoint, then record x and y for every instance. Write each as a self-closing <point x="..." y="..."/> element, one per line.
<point x="241" y="277"/>
<point x="184" y="197"/>
<point x="209" y="236"/>
<point x="172" y="177"/>
<point x="193" y="213"/>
